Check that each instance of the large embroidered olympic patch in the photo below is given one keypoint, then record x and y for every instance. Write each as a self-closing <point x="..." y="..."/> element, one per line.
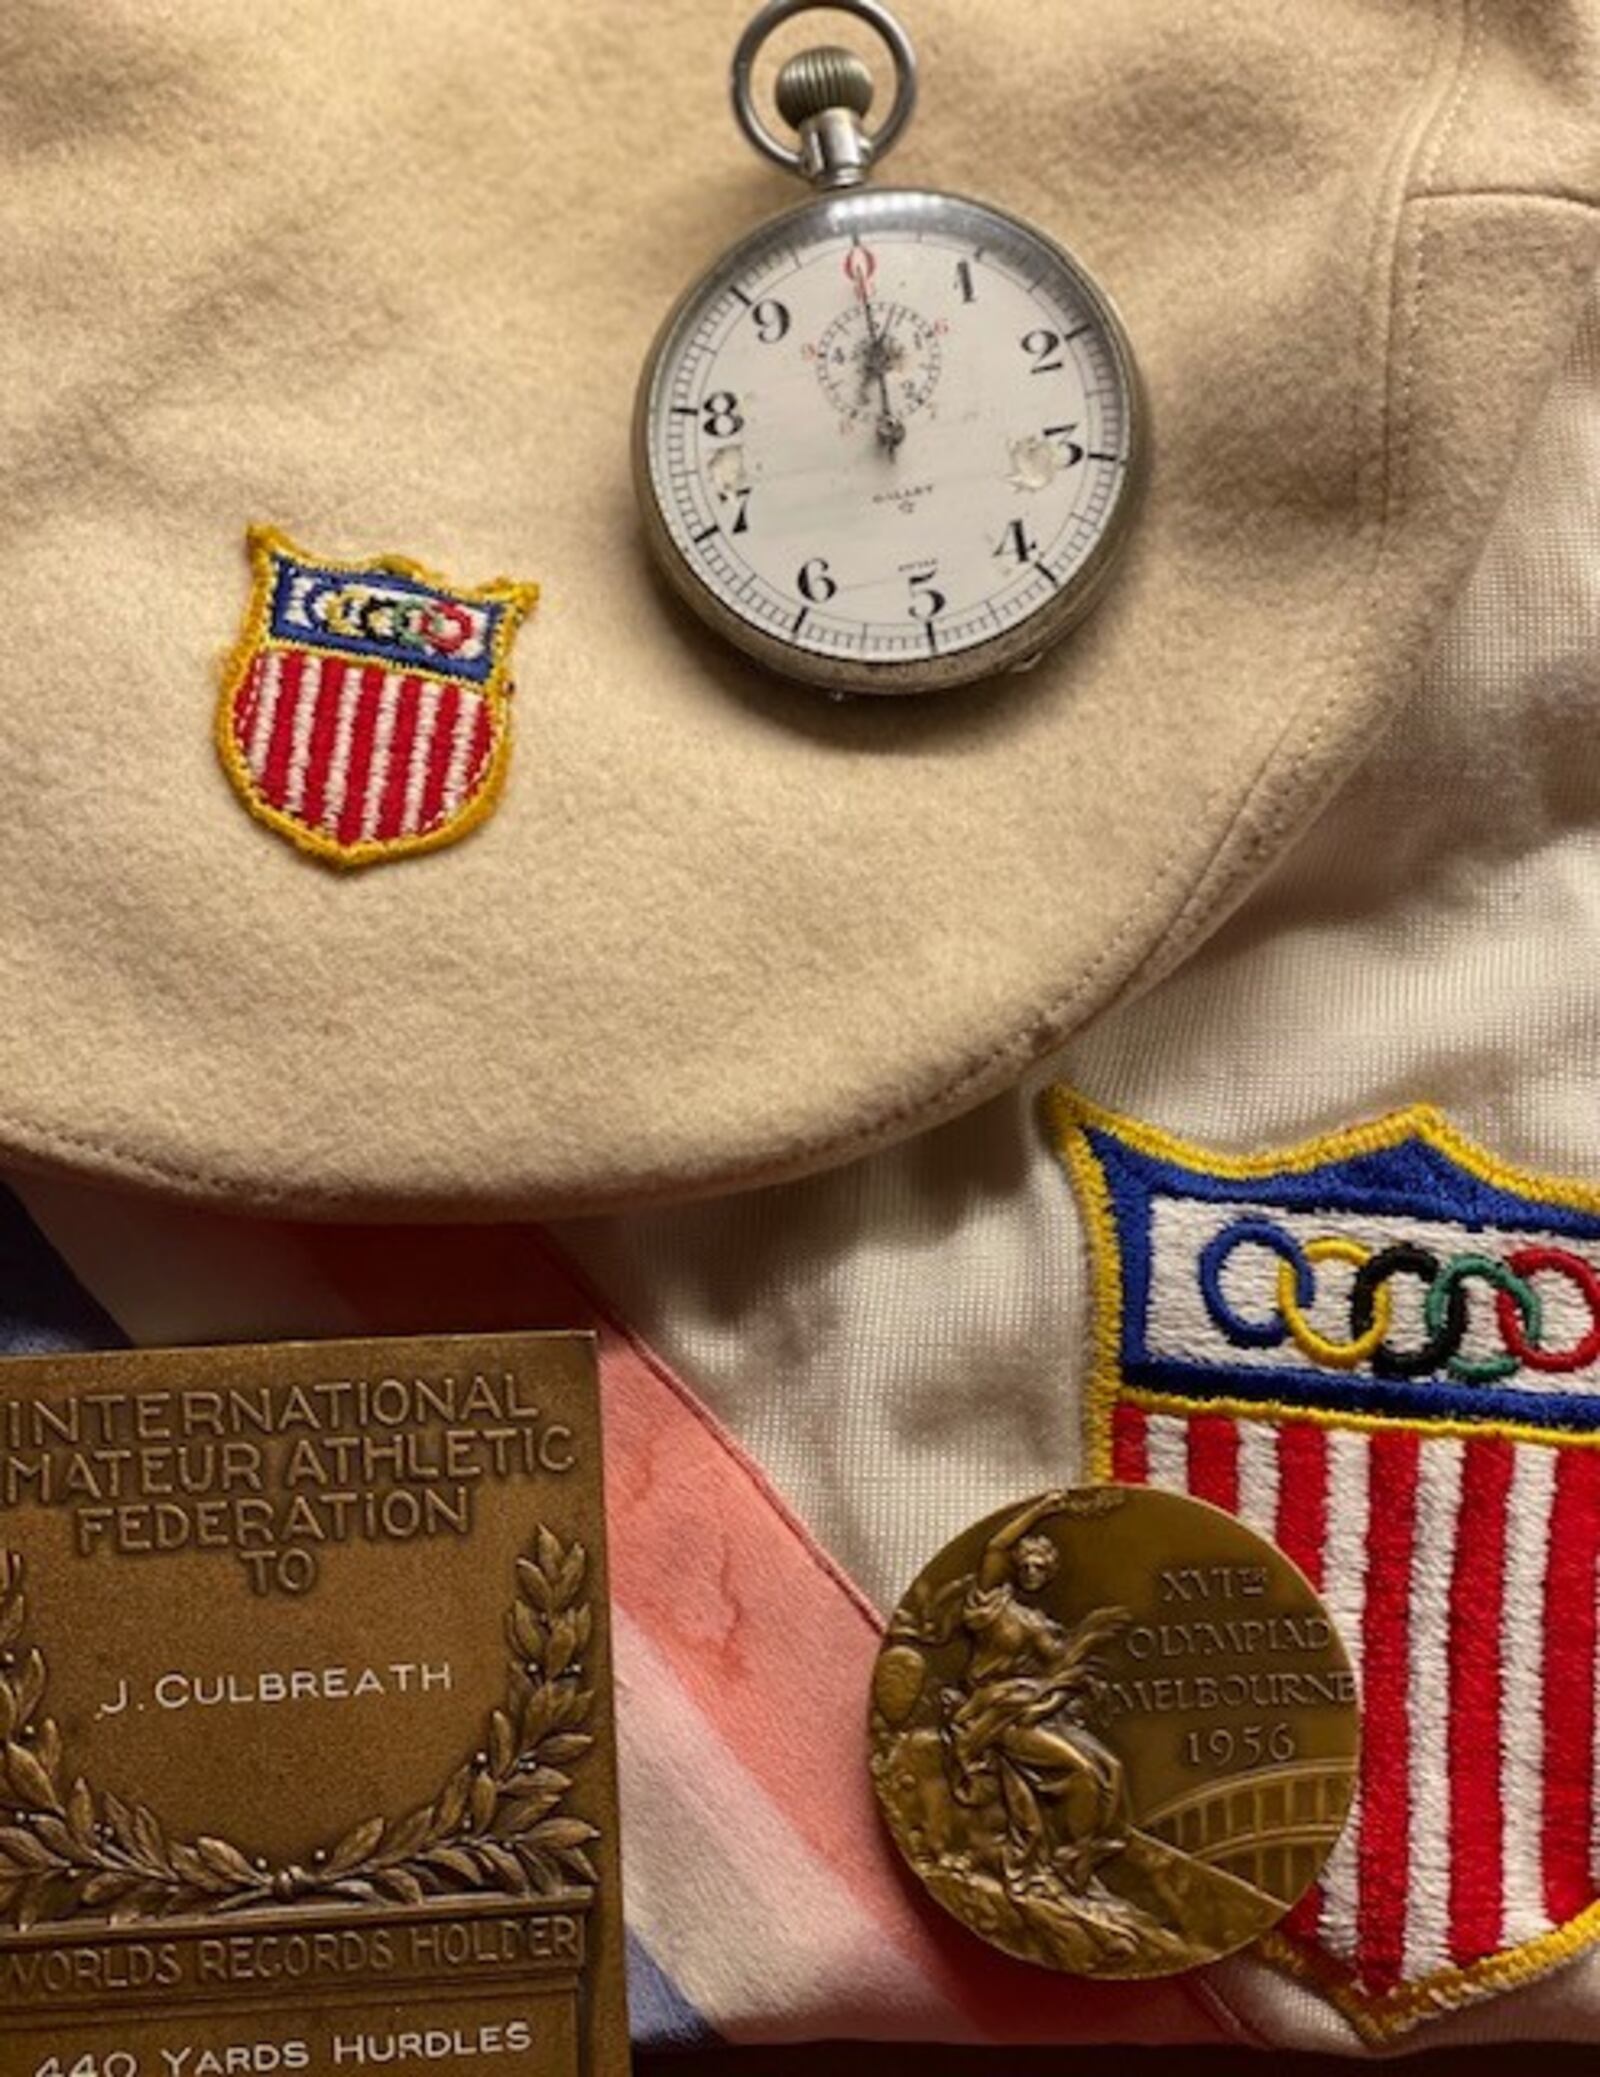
<point x="365" y="714"/>
<point x="1382" y="1350"/>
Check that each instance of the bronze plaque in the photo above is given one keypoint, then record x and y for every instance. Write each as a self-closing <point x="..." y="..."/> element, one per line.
<point x="1114" y="1731"/>
<point x="308" y="1757"/>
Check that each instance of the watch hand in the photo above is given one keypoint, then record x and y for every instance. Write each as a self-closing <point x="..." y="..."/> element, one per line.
<point x="891" y="430"/>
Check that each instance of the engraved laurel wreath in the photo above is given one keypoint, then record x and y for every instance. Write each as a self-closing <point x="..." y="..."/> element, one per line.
<point x="498" y="1826"/>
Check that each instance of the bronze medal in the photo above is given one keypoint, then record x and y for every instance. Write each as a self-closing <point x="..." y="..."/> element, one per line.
<point x="1114" y="1732"/>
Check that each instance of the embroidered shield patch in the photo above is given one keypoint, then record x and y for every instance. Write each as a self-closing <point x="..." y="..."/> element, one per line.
<point x="1382" y="1350"/>
<point x="365" y="714"/>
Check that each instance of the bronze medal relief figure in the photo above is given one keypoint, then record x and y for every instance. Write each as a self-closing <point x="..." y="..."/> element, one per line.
<point x="1015" y="1763"/>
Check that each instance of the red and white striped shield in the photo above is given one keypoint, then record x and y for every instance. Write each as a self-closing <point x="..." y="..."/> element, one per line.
<point x="366" y="713"/>
<point x="1382" y="1350"/>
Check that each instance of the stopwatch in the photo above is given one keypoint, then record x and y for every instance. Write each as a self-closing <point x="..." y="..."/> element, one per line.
<point x="892" y="441"/>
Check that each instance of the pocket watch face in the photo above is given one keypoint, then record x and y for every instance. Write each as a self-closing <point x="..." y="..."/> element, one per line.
<point x="891" y="443"/>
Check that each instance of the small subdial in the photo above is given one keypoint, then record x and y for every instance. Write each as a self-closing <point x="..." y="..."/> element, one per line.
<point x="863" y="353"/>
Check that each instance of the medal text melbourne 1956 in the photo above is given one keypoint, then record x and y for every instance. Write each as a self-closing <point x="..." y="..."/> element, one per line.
<point x="1114" y="1732"/>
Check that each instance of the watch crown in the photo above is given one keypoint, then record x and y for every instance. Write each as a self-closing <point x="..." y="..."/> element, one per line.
<point x="819" y="80"/>
<point x="824" y="95"/>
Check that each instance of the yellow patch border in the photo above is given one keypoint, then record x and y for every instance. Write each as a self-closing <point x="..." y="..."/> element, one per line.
<point x="1071" y="1116"/>
<point x="519" y="600"/>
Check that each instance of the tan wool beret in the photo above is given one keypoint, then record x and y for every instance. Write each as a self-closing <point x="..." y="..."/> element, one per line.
<point x="382" y="280"/>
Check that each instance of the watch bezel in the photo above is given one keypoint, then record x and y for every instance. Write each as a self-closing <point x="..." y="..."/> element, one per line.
<point x="1015" y="648"/>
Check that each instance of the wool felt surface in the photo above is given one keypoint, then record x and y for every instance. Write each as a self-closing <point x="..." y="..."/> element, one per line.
<point x="387" y="285"/>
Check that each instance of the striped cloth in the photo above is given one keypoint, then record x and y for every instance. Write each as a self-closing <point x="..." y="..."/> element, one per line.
<point x="1462" y="1574"/>
<point x="357" y="751"/>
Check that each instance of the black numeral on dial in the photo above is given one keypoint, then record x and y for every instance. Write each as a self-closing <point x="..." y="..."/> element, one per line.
<point x="1071" y="451"/>
<point x="1017" y="543"/>
<point x="772" y="321"/>
<point x="1044" y="348"/>
<point x="816" y="582"/>
<point x="721" y="415"/>
<point x="927" y="601"/>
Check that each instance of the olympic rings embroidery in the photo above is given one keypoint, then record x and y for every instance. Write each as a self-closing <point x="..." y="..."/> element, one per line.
<point x="1519" y="1311"/>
